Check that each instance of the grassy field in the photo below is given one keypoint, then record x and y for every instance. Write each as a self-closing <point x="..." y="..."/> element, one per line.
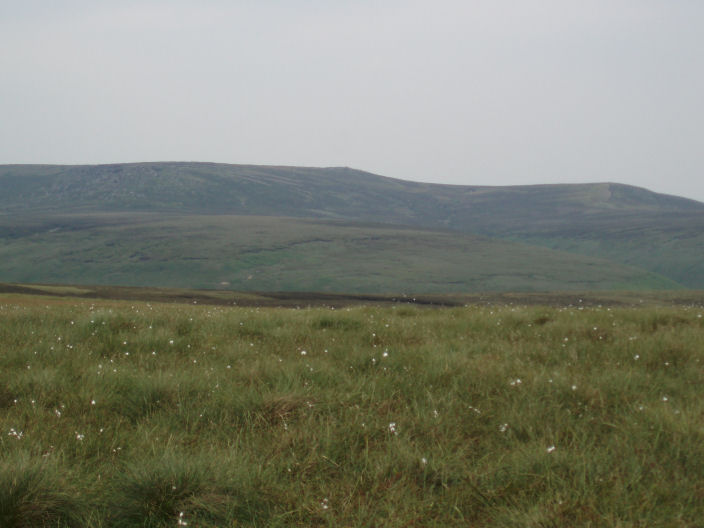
<point x="135" y="413"/>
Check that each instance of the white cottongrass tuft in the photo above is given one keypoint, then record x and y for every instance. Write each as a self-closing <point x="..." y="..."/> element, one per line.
<point x="16" y="434"/>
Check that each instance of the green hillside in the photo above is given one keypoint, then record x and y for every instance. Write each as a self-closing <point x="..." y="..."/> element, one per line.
<point x="336" y="229"/>
<point x="672" y="245"/>
<point x="287" y="254"/>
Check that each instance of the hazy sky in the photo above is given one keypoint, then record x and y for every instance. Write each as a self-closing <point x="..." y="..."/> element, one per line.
<point x="491" y="92"/>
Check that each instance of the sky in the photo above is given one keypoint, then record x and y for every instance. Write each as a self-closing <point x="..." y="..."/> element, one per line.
<point x="490" y="92"/>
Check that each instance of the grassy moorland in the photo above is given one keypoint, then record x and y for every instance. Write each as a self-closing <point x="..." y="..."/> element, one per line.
<point x="257" y="253"/>
<point x="130" y="413"/>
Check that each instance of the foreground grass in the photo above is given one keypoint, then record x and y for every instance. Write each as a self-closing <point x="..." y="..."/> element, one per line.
<point x="130" y="414"/>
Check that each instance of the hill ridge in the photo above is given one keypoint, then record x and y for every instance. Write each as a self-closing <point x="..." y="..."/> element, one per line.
<point x="317" y="192"/>
<point x="5" y="168"/>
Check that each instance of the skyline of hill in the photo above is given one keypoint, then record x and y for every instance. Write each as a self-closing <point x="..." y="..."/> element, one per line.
<point x="310" y="191"/>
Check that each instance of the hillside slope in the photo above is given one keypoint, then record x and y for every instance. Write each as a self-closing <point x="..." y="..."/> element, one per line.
<point x="287" y="254"/>
<point x="659" y="233"/>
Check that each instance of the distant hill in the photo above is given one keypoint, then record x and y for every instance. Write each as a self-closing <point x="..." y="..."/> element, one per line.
<point x="311" y="192"/>
<point x="337" y="229"/>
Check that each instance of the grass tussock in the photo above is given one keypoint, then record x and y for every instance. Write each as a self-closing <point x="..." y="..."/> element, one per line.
<point x="126" y="414"/>
<point x="179" y="490"/>
<point x="33" y="493"/>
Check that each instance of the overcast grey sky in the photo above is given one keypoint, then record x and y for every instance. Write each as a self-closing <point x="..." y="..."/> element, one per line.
<point x="493" y="92"/>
